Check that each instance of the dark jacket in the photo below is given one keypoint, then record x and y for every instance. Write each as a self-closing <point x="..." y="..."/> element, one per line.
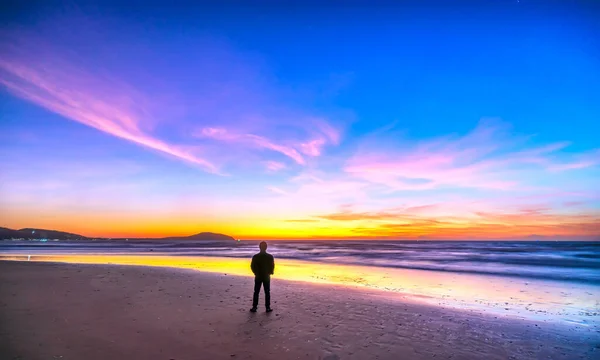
<point x="263" y="265"/>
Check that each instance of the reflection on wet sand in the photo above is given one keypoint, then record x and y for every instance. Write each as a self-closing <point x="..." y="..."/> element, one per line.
<point x="514" y="297"/>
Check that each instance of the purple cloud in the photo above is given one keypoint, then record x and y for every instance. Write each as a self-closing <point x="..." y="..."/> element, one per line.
<point x="100" y="102"/>
<point x="274" y="166"/>
<point x="294" y="149"/>
<point x="485" y="158"/>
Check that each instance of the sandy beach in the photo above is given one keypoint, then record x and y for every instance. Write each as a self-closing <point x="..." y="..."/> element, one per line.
<point x="83" y="311"/>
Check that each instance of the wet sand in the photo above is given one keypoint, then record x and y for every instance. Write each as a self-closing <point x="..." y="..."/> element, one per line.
<point x="77" y="311"/>
<point x="515" y="297"/>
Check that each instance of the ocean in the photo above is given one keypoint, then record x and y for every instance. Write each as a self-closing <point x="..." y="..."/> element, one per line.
<point x="565" y="261"/>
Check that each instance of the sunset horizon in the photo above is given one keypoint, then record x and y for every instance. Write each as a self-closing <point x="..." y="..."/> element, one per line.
<point x="142" y="235"/>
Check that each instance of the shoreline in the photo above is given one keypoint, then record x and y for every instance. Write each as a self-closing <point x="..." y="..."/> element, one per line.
<point x="500" y="296"/>
<point x="138" y="312"/>
<point x="507" y="275"/>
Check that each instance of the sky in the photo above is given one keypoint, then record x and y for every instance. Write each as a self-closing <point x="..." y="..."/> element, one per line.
<point x="473" y="120"/>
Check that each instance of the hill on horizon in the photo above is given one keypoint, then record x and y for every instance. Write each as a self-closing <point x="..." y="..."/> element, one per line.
<point x="34" y="233"/>
<point x="200" y="236"/>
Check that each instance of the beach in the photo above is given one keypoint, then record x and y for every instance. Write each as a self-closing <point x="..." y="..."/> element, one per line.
<point x="97" y="311"/>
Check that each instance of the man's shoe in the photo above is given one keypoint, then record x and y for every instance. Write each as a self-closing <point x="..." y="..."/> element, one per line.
<point x="269" y="309"/>
<point x="253" y="309"/>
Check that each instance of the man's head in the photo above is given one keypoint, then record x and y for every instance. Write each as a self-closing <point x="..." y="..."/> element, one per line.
<point x="263" y="246"/>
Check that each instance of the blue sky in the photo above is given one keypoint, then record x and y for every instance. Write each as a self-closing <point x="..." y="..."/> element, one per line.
<point x="302" y="120"/>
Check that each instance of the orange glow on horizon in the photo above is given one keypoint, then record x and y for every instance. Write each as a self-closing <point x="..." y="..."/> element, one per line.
<point x="318" y="229"/>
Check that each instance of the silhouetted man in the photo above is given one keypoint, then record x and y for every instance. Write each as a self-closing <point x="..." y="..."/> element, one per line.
<point x="262" y="266"/>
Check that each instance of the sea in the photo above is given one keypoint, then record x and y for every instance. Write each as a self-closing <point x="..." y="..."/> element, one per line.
<point x="553" y="260"/>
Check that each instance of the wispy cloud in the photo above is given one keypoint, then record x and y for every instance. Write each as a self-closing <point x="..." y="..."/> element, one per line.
<point x="274" y="166"/>
<point x="352" y="216"/>
<point x="323" y="133"/>
<point x="277" y="190"/>
<point x="105" y="104"/>
<point x="483" y="225"/>
<point x="301" y="220"/>
<point x="486" y="158"/>
<point x="312" y="147"/>
<point x="579" y="161"/>
<point x="251" y="140"/>
<point x="320" y="135"/>
<point x="51" y="77"/>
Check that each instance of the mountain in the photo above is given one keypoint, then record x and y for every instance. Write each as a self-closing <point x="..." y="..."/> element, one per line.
<point x="6" y="233"/>
<point x="202" y="236"/>
<point x="31" y="233"/>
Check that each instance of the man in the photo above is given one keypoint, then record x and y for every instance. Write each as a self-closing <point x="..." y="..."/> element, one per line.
<point x="262" y="266"/>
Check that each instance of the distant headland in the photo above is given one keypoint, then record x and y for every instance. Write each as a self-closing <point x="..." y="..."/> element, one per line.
<point x="44" y="234"/>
